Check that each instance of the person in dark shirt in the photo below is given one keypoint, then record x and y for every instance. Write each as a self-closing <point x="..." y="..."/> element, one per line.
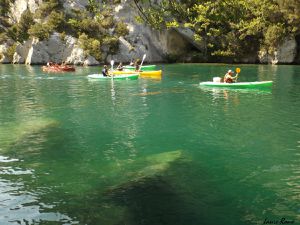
<point x="137" y="65"/>
<point x="105" y="71"/>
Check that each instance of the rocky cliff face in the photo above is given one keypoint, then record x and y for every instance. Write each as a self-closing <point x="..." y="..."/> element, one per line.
<point x="285" y="54"/>
<point x="20" y="6"/>
<point x="157" y="45"/>
<point x="141" y="39"/>
<point x="54" y="49"/>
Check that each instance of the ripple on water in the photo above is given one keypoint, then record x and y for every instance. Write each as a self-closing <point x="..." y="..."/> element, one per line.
<point x="20" y="207"/>
<point x="7" y="159"/>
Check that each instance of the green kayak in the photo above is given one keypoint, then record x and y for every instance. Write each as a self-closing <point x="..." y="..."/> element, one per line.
<point x="132" y="76"/>
<point x="144" y="68"/>
<point x="255" y="84"/>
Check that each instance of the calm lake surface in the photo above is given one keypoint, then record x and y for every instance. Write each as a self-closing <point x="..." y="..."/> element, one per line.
<point x="149" y="152"/>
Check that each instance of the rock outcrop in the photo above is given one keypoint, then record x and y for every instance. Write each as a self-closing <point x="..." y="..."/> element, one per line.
<point x="19" y="6"/>
<point x="285" y="54"/>
<point x="55" y="49"/>
<point x="22" y="52"/>
<point x="75" y="4"/>
<point x="140" y="39"/>
<point x="3" y="56"/>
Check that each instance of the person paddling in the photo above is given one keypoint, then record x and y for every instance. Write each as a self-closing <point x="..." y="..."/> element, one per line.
<point x="120" y="67"/>
<point x="105" y="71"/>
<point x="137" y="66"/>
<point x="228" y="78"/>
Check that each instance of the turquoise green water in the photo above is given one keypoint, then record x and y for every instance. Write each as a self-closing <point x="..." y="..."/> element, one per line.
<point x="149" y="152"/>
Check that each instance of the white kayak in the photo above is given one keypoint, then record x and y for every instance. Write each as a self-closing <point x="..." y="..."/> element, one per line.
<point x="254" y="84"/>
<point x="130" y="76"/>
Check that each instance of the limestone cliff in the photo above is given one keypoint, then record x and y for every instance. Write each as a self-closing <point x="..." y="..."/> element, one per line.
<point x="285" y="54"/>
<point x="140" y="40"/>
<point x="159" y="46"/>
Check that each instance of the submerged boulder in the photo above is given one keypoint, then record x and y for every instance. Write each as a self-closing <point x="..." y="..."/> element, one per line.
<point x="15" y="133"/>
<point x="142" y="170"/>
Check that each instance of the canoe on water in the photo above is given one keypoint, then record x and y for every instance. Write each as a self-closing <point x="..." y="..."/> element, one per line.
<point x="152" y="74"/>
<point x="144" y="68"/>
<point x="255" y="84"/>
<point x="58" y="68"/>
<point x="132" y="76"/>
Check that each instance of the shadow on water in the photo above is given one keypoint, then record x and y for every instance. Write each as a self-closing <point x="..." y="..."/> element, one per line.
<point x="169" y="198"/>
<point x="143" y="201"/>
<point x="155" y="201"/>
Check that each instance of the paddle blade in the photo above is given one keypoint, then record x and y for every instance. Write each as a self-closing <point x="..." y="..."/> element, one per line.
<point x="237" y="70"/>
<point x="112" y="62"/>
<point x="144" y="56"/>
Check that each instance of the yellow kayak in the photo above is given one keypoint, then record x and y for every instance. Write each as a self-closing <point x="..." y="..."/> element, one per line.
<point x="150" y="74"/>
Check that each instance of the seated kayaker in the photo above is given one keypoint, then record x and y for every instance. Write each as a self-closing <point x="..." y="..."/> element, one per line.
<point x="50" y="63"/>
<point x="137" y="68"/>
<point x="120" y="67"/>
<point x="228" y="78"/>
<point x="105" y="71"/>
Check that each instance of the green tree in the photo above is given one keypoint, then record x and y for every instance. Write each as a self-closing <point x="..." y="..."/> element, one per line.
<point x="47" y="7"/>
<point x="121" y="29"/>
<point x="227" y="28"/>
<point x="40" y="31"/>
<point x="4" y="7"/>
<point x="91" y="46"/>
<point x="56" y="21"/>
<point x="93" y="7"/>
<point x="11" y="51"/>
<point x="19" y="31"/>
<point x="291" y="13"/>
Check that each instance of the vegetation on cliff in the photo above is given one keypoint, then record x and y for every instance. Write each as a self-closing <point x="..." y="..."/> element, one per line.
<point x="95" y="27"/>
<point x="227" y="28"/>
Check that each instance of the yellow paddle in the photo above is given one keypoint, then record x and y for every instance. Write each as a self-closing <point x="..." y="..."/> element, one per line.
<point x="237" y="70"/>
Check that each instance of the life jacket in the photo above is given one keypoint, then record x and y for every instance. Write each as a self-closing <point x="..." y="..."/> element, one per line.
<point x="228" y="79"/>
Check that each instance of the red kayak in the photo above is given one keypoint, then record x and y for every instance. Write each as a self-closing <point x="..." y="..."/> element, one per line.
<point x="58" y="68"/>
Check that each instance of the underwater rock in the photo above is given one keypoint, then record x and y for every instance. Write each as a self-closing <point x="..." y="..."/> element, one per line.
<point x="15" y="133"/>
<point x="143" y="170"/>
